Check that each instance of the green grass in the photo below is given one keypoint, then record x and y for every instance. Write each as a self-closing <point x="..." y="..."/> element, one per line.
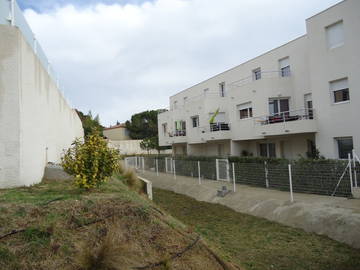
<point x="256" y="243"/>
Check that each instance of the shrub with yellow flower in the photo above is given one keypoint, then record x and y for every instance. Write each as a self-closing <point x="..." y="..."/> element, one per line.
<point x="91" y="162"/>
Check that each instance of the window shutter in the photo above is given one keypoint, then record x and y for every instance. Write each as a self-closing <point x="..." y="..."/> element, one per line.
<point x="338" y="85"/>
<point x="284" y="62"/>
<point x="243" y="106"/>
<point x="335" y="35"/>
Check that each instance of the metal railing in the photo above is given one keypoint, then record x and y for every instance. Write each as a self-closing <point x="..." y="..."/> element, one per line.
<point x="328" y="178"/>
<point x="219" y="127"/>
<point x="287" y="116"/>
<point x="263" y="75"/>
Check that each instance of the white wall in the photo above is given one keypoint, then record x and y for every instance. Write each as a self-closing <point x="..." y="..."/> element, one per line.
<point x="335" y="120"/>
<point x="9" y="109"/>
<point x="132" y="147"/>
<point x="45" y="124"/>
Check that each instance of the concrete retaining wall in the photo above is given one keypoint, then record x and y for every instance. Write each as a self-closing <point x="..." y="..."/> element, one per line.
<point x="36" y="122"/>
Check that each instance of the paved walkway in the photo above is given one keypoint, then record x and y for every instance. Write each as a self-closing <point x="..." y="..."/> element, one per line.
<point x="336" y="217"/>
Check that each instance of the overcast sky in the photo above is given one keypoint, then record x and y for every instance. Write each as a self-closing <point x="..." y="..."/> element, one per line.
<point x="120" y="57"/>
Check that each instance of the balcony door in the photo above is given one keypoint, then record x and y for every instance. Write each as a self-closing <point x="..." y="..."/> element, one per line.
<point x="309" y="106"/>
<point x="277" y="106"/>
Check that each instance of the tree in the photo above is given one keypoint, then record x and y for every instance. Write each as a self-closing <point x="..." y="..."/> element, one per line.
<point x="150" y="143"/>
<point x="90" y="124"/>
<point x="143" y="125"/>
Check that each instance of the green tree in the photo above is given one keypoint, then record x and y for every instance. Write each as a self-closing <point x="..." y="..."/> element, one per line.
<point x="90" y="124"/>
<point x="150" y="143"/>
<point x="143" y="125"/>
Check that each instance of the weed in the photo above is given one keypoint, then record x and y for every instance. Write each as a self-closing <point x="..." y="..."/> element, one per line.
<point x="36" y="236"/>
<point x="102" y="255"/>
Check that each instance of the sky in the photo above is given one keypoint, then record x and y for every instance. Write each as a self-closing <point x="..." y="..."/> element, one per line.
<point x="120" y="57"/>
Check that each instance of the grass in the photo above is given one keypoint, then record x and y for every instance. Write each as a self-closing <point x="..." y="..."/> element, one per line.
<point x="256" y="243"/>
<point x="113" y="227"/>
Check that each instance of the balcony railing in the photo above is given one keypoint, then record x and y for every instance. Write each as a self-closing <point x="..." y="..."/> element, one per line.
<point x="288" y="116"/>
<point x="219" y="127"/>
<point x="177" y="133"/>
<point x="260" y="76"/>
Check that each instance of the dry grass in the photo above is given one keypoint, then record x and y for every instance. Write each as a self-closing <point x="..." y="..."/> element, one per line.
<point x="133" y="181"/>
<point x="108" y="228"/>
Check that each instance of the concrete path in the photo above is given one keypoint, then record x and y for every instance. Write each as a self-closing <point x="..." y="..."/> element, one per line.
<point x="338" y="218"/>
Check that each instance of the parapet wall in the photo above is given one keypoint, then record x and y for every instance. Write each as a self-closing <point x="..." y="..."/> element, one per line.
<point x="36" y="123"/>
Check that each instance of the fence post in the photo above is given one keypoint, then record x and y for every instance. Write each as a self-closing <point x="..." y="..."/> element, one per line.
<point x="157" y="166"/>
<point x="290" y="181"/>
<point x="174" y="169"/>
<point x="199" y="172"/>
<point x="266" y="175"/>
<point x="355" y="173"/>
<point x="234" y="180"/>
<point x="143" y="164"/>
<point x="350" y="172"/>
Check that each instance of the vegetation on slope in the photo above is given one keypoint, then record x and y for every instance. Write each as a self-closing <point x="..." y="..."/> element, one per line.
<point x="256" y="243"/>
<point x="55" y="225"/>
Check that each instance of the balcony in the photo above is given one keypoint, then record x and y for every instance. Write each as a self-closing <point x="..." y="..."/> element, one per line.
<point x="290" y="122"/>
<point x="214" y="127"/>
<point x="178" y="136"/>
<point x="216" y="131"/>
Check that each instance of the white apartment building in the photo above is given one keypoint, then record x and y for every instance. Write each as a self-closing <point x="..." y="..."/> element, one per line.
<point x="301" y="96"/>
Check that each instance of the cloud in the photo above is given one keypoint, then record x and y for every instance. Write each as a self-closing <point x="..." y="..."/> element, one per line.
<point x="119" y="59"/>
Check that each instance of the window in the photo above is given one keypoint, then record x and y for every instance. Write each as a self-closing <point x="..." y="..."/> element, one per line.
<point x="335" y="35"/>
<point x="175" y="105"/>
<point x="164" y="126"/>
<point x="245" y="110"/>
<point x="340" y="90"/>
<point x="185" y="99"/>
<point x="222" y="89"/>
<point x="345" y="146"/>
<point x="267" y="150"/>
<point x="308" y="106"/>
<point x="278" y="105"/>
<point x="284" y="65"/>
<point x="206" y="91"/>
<point x="195" y="121"/>
<point x="257" y="74"/>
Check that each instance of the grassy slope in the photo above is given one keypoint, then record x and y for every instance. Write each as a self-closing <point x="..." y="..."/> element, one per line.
<point x="256" y="243"/>
<point x="110" y="228"/>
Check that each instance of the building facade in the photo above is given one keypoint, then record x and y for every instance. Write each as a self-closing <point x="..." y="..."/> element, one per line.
<point x="36" y="122"/>
<point x="117" y="133"/>
<point x="289" y="102"/>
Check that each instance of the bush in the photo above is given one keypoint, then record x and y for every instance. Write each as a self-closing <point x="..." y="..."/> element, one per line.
<point x="91" y="162"/>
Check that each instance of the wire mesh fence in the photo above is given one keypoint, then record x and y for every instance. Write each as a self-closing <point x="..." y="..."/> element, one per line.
<point x="332" y="178"/>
